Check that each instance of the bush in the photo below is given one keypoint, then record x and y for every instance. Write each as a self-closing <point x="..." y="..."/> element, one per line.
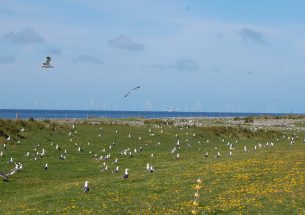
<point x="249" y="119"/>
<point x="158" y="122"/>
<point x="31" y="119"/>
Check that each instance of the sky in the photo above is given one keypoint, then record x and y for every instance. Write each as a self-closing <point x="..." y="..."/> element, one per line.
<point x="187" y="55"/>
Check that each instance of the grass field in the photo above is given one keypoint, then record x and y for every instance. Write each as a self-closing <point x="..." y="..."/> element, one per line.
<point x="268" y="180"/>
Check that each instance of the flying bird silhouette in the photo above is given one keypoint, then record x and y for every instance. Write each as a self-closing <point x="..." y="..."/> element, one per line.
<point x="131" y="91"/>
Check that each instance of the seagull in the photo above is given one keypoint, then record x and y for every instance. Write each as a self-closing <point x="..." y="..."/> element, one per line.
<point x="151" y="169"/>
<point x="116" y="169"/>
<point x="86" y="187"/>
<point x="116" y="160"/>
<point x="206" y="155"/>
<point x="178" y="144"/>
<point x="45" y="167"/>
<point x="105" y="168"/>
<point x="47" y="63"/>
<point x="125" y="176"/>
<point x="62" y="157"/>
<point x="10" y="161"/>
<point x="131" y="91"/>
<point x="218" y="154"/>
<point x="245" y="149"/>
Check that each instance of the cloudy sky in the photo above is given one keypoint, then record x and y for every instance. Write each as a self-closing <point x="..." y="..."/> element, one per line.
<point x="195" y="55"/>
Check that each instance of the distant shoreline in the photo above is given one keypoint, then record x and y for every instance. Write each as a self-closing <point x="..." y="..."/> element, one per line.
<point x="94" y="114"/>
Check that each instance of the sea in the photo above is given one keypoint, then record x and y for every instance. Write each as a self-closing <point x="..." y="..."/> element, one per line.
<point x="86" y="114"/>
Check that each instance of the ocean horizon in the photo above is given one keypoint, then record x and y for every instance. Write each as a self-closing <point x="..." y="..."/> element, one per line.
<point x="83" y="114"/>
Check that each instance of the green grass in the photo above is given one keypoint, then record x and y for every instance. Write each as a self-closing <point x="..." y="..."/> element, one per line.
<point x="270" y="180"/>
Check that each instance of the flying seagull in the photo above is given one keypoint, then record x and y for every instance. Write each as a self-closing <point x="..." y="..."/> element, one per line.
<point x="131" y="91"/>
<point x="47" y="63"/>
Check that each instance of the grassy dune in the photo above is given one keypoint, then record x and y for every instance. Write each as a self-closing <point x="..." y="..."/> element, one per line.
<point x="269" y="180"/>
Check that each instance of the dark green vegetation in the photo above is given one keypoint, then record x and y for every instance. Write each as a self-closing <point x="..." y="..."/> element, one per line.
<point x="268" y="180"/>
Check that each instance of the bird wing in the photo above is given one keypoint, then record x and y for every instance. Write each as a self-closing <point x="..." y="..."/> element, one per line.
<point x="136" y="88"/>
<point x="11" y="173"/>
<point x="127" y="94"/>
<point x="131" y="91"/>
<point x="5" y="178"/>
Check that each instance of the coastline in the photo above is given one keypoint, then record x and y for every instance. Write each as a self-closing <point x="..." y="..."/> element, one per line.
<point x="88" y="114"/>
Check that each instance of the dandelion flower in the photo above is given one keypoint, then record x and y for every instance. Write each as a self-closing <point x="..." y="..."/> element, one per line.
<point x="195" y="203"/>
<point x="194" y="212"/>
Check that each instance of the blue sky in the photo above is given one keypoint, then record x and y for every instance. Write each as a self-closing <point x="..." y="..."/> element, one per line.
<point x="195" y="55"/>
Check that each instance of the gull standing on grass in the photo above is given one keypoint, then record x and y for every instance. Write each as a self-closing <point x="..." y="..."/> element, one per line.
<point x="86" y="187"/>
<point x="125" y="176"/>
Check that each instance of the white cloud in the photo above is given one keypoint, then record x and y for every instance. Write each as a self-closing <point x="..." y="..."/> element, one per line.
<point x="180" y="65"/>
<point x="124" y="42"/>
<point x="248" y="34"/>
<point x="26" y="36"/>
<point x="186" y="65"/>
<point x="88" y="59"/>
<point x="55" y="51"/>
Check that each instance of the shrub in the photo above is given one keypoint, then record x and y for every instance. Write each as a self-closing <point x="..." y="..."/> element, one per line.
<point x="249" y="119"/>
<point x="31" y="119"/>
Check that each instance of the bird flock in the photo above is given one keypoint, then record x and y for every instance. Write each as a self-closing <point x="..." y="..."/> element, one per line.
<point x="109" y="161"/>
